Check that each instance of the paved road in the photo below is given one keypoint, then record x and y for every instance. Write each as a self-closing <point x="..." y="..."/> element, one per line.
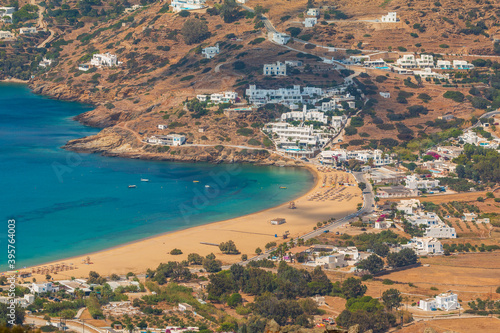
<point x="368" y="202"/>
<point x="231" y="146"/>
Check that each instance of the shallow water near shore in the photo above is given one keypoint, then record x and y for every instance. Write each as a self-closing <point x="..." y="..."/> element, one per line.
<point x="67" y="204"/>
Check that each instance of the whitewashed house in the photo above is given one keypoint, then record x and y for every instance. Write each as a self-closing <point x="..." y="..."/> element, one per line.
<point x="391" y="17"/>
<point x="444" y="301"/>
<point x="470" y="137"/>
<point x="27" y="30"/>
<point x="409" y="207"/>
<point x="425" y="61"/>
<point x="407" y="61"/>
<point x="294" y="63"/>
<point x="427" y="73"/>
<point x="428" y="218"/>
<point x="338" y="122"/>
<point x="279" y="69"/>
<point x="385" y="94"/>
<point x="305" y="115"/>
<point x="375" y="63"/>
<point x="83" y="67"/>
<point x="107" y="59"/>
<point x="279" y="38"/>
<point x="178" y="5"/>
<point x="167" y="140"/>
<point x="6" y="14"/>
<point x="462" y="64"/>
<point x="162" y="126"/>
<point x="331" y="261"/>
<point x="444" y="64"/>
<point x="341" y="155"/>
<point x="210" y="51"/>
<point x="41" y="288"/>
<point x="425" y="245"/>
<point x="45" y="62"/>
<point x="6" y="34"/>
<point x="415" y="182"/>
<point x="440" y="231"/>
<point x="287" y="96"/>
<point x="310" y="22"/>
<point x="313" y="12"/>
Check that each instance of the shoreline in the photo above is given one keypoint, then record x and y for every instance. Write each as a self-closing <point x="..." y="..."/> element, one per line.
<point x="137" y="256"/>
<point x="314" y="184"/>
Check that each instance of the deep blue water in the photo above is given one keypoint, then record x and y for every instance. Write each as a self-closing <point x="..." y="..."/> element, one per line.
<point x="67" y="204"/>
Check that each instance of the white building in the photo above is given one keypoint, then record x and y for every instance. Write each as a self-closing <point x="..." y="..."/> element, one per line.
<point x="310" y="22"/>
<point x="279" y="38"/>
<point x="425" y="245"/>
<point x="385" y="94"/>
<point x="440" y="231"/>
<point x="162" y="126"/>
<point x="409" y="207"/>
<point x="6" y="14"/>
<point x="123" y="283"/>
<point x="425" y="61"/>
<point x="375" y="63"/>
<point x="341" y="155"/>
<point x="41" y="288"/>
<point x="391" y="17"/>
<point x="71" y="286"/>
<point x="210" y="51"/>
<point x="6" y="34"/>
<point x="293" y="63"/>
<point x="444" y="64"/>
<point x="27" y="30"/>
<point x="338" y="122"/>
<point x="444" y="301"/>
<point x="462" y="64"/>
<point x="106" y="59"/>
<point x="218" y="98"/>
<point x="45" y="62"/>
<point x="305" y="115"/>
<point x="415" y="182"/>
<point x="19" y="301"/>
<point x="313" y="12"/>
<point x="293" y="137"/>
<point x="470" y="137"/>
<point x="429" y="219"/>
<point x="382" y="224"/>
<point x="178" y="5"/>
<point x="167" y="140"/>
<point x="279" y="68"/>
<point x="407" y="61"/>
<point x="285" y="96"/>
<point x="428" y="73"/>
<point x="331" y="261"/>
<point x="83" y="67"/>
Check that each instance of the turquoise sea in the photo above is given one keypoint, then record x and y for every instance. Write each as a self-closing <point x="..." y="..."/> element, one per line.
<point x="68" y="204"/>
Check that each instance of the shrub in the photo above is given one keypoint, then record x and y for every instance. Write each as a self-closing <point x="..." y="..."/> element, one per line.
<point x="184" y="13"/>
<point x="244" y="131"/>
<point x="387" y="282"/>
<point x="175" y="252"/>
<point x="456" y="96"/>
<point x="194" y="31"/>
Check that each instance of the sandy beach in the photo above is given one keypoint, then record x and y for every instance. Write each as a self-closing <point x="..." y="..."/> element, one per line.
<point x="325" y="200"/>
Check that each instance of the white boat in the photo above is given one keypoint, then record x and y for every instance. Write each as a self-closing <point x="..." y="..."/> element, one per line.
<point x="207" y="185"/>
<point x="144" y="180"/>
<point x="132" y="186"/>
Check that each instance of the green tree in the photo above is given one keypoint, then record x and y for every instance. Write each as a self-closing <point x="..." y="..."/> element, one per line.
<point x="228" y="247"/>
<point x="5" y="321"/>
<point x="373" y="264"/>
<point x="258" y="251"/>
<point x="392" y="298"/>
<point x="352" y="287"/>
<point x="234" y="300"/>
<point x="195" y="259"/>
<point x="194" y="31"/>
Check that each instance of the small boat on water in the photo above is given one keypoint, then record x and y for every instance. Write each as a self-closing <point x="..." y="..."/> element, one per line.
<point x="207" y="186"/>
<point x="144" y="180"/>
<point x="196" y="181"/>
<point x="132" y="186"/>
<point x="283" y="187"/>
